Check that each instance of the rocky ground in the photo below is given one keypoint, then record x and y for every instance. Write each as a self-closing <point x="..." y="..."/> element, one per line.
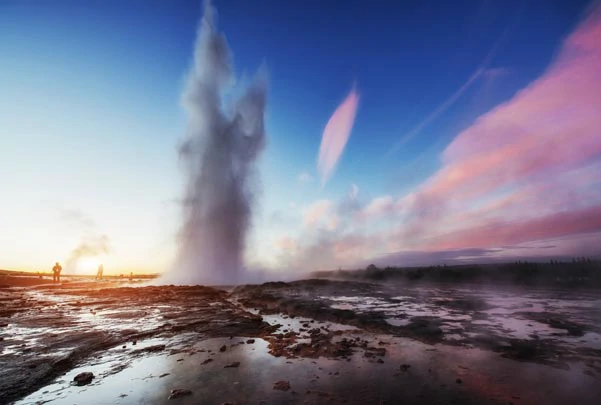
<point x="313" y="341"/>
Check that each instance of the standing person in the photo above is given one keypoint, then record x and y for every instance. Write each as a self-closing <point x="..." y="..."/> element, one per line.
<point x="100" y="271"/>
<point x="56" y="273"/>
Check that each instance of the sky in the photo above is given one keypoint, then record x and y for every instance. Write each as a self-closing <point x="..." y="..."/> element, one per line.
<point x="407" y="133"/>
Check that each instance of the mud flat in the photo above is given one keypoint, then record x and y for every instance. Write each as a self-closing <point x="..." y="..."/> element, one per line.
<point x="313" y="341"/>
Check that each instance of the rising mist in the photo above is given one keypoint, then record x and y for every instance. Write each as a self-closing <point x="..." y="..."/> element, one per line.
<point x="218" y="155"/>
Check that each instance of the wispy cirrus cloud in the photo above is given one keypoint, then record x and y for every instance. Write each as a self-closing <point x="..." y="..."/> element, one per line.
<point x="481" y="71"/>
<point x="353" y="191"/>
<point x="305" y="178"/>
<point x="335" y="135"/>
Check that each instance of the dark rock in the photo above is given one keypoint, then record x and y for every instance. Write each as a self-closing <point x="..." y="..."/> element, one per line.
<point x="83" y="378"/>
<point x="235" y="364"/>
<point x="472" y="304"/>
<point x="177" y="393"/>
<point x="223" y="348"/>
<point x="572" y="328"/>
<point x="149" y="349"/>
<point x="425" y="327"/>
<point x="281" y="385"/>
<point x="207" y="361"/>
<point x="375" y="351"/>
<point x="458" y="381"/>
<point x="250" y="341"/>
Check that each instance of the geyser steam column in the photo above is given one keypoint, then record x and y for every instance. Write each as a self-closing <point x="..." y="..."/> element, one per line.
<point x="219" y="155"/>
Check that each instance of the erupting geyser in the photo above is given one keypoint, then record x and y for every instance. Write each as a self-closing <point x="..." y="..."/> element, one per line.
<point x="219" y="153"/>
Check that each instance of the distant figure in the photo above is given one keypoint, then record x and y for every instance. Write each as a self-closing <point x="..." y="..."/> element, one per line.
<point x="56" y="273"/>
<point x="100" y="271"/>
<point x="131" y="276"/>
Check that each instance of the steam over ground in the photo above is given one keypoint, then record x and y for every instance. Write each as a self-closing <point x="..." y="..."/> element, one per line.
<point x="218" y="157"/>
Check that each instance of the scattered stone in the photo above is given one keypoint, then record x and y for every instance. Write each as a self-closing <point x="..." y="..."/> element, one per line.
<point x="177" y="393"/>
<point x="164" y="375"/>
<point x="2" y="325"/>
<point x="223" y="348"/>
<point x="149" y="349"/>
<point x="281" y="385"/>
<point x="250" y="341"/>
<point x="405" y="367"/>
<point x="375" y="351"/>
<point x="207" y="361"/>
<point x="83" y="378"/>
<point x="134" y="342"/>
<point x="235" y="364"/>
<point x="380" y="361"/>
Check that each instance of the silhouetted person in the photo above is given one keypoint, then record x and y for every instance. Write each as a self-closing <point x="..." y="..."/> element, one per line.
<point x="56" y="273"/>
<point x="131" y="276"/>
<point x="100" y="271"/>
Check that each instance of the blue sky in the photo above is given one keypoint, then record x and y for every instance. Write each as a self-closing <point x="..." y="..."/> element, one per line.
<point x="90" y="114"/>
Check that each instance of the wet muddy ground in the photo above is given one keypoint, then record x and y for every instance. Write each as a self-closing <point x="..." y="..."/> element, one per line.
<point x="313" y="341"/>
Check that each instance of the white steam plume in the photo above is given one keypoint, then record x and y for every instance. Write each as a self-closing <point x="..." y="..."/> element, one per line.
<point x="90" y="247"/>
<point x="219" y="156"/>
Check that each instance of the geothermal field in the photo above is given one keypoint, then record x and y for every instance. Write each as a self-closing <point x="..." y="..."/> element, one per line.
<point x="454" y="260"/>
<point x="313" y="341"/>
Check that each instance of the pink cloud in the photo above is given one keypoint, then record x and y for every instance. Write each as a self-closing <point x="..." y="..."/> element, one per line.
<point x="287" y="244"/>
<point x="335" y="136"/>
<point x="378" y="207"/>
<point x="500" y="233"/>
<point x="320" y="213"/>
<point x="545" y="130"/>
